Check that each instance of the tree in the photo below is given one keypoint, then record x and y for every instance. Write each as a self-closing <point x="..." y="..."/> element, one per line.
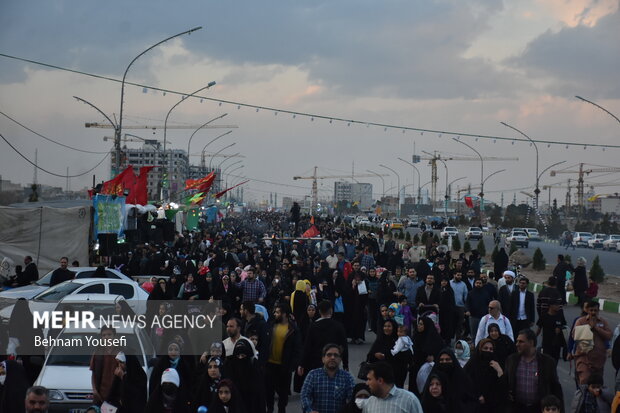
<point x="456" y="244"/>
<point x="416" y="239"/>
<point x="424" y="237"/>
<point x="407" y="236"/>
<point x="482" y="249"/>
<point x="556" y="227"/>
<point x="436" y="238"/>
<point x="466" y="247"/>
<point x="538" y="261"/>
<point x="567" y="258"/>
<point x="596" y="271"/>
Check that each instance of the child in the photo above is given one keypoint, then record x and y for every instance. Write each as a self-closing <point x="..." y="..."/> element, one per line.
<point x="550" y="404"/>
<point x="405" y="311"/>
<point x="394" y="313"/>
<point x="403" y="354"/>
<point x="228" y="399"/>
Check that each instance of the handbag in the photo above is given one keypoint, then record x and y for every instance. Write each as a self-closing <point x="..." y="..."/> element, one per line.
<point x="584" y="339"/>
<point x="362" y="374"/>
<point x="338" y="306"/>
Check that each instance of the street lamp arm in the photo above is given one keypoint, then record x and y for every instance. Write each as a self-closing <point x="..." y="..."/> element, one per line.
<point x="600" y="107"/>
<point x="210" y="142"/>
<point x="79" y="99"/>
<point x="200" y="127"/>
<point x="527" y="137"/>
<point x="457" y="179"/>
<point x="177" y="104"/>
<point x="549" y="167"/>
<point x="477" y="153"/>
<point x="226" y="158"/>
<point x="228" y="167"/>
<point x="494" y="173"/>
<point x="120" y="122"/>
<point x="218" y="152"/>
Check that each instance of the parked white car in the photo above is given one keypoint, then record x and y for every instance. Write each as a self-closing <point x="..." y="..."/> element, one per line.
<point x="532" y="234"/>
<point x="29" y="291"/>
<point x="473" y="233"/>
<point x="449" y="232"/>
<point x="129" y="290"/>
<point x="611" y="242"/>
<point x="67" y="376"/>
<point x="519" y="238"/>
<point x="580" y="239"/>
<point x="597" y="241"/>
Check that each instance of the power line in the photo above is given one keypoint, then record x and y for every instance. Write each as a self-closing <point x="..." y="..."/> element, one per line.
<point x="52" y="173"/>
<point x="331" y="119"/>
<point x="48" y="139"/>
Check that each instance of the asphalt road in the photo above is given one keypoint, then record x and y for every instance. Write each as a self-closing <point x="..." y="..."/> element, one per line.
<point x="357" y="354"/>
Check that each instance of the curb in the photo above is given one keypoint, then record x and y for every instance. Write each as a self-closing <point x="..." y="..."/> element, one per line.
<point x="606" y="305"/>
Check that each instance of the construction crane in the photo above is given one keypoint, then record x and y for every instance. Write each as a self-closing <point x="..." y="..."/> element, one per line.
<point x="568" y="187"/>
<point x="435" y="156"/>
<point x="315" y="177"/>
<point x="580" y="184"/>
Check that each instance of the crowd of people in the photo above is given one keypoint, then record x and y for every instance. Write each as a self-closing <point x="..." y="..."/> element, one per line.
<point x="446" y="335"/>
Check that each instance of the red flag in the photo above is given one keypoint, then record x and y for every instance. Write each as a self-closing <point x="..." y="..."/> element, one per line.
<point x="194" y="183"/>
<point x="311" y="232"/>
<point x="469" y="202"/>
<point x="312" y="220"/>
<point x="122" y="181"/>
<point x="138" y="194"/>
<point x="206" y="185"/>
<point x="220" y="194"/>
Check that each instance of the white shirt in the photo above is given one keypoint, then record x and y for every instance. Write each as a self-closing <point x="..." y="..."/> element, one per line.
<point x="229" y="346"/>
<point x="521" y="314"/>
<point x="502" y="322"/>
<point x="332" y="261"/>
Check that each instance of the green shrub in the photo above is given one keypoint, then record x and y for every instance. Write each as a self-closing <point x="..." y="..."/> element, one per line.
<point x="436" y="238"/>
<point x="538" y="260"/>
<point x="424" y="237"/>
<point x="596" y="271"/>
<point x="407" y="236"/>
<point x="416" y="239"/>
<point x="482" y="249"/>
<point x="456" y="244"/>
<point x="466" y="247"/>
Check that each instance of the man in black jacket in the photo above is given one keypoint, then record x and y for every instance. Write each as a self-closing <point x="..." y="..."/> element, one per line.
<point x="535" y="368"/>
<point x="283" y="356"/>
<point x="428" y="296"/>
<point x="62" y="274"/>
<point x="522" y="307"/>
<point x="559" y="272"/>
<point x="323" y="331"/>
<point x="255" y="325"/>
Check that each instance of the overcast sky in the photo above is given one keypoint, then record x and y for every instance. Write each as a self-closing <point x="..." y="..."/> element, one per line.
<point x="460" y="66"/>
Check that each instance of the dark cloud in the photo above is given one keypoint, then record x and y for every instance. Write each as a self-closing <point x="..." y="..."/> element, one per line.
<point x="400" y="48"/>
<point x="577" y="60"/>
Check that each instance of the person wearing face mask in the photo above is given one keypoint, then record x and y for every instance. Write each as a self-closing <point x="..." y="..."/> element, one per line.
<point x="485" y="373"/>
<point x="361" y="393"/>
<point x="169" y="395"/>
<point x="460" y="387"/>
<point x="171" y="360"/>
<point x="462" y="352"/>
<point x="242" y="369"/>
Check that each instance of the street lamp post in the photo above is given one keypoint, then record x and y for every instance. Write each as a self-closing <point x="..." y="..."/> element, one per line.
<point x="398" y="192"/>
<point x="192" y="136"/>
<point x="382" y="180"/>
<point x="415" y="169"/>
<point x="481" y="194"/>
<point x="218" y="152"/>
<point x="204" y="148"/>
<point x="164" y="184"/>
<point x="537" y="190"/>
<point x="447" y="196"/>
<point x="233" y="170"/>
<point x="118" y="130"/>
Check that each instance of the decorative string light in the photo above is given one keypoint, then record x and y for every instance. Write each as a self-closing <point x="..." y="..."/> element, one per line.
<point x="349" y="122"/>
